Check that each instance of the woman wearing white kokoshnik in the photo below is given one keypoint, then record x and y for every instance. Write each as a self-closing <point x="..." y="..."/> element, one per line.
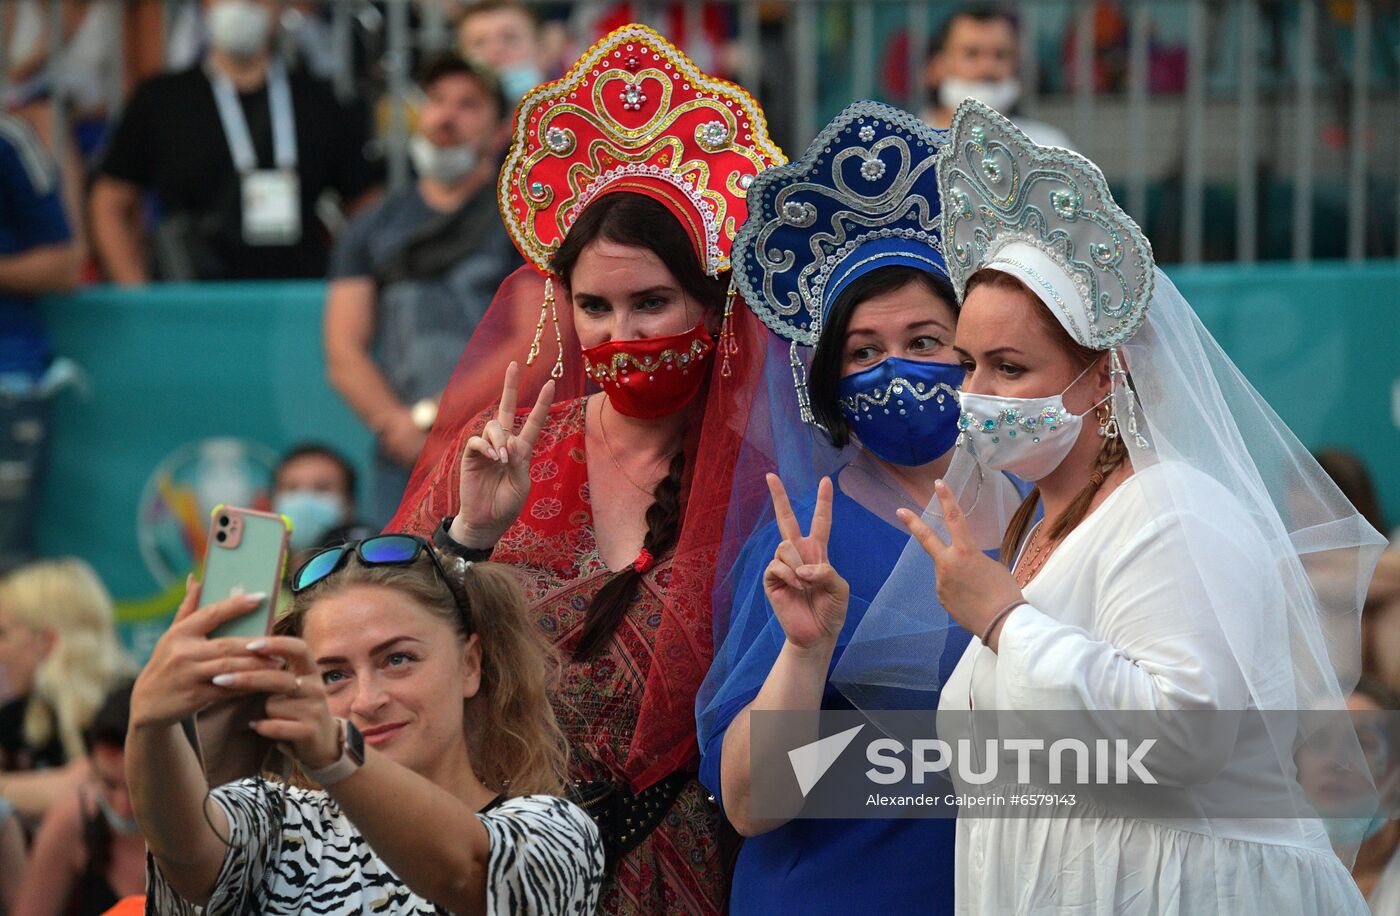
<point x="1170" y="570"/>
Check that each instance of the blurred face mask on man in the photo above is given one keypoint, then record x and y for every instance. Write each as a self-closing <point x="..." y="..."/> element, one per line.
<point x="978" y="61"/>
<point x="455" y="127"/>
<point x="239" y="28"/>
<point x="312" y="492"/>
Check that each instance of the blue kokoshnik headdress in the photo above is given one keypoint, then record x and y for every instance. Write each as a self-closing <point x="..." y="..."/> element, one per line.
<point x="863" y="196"/>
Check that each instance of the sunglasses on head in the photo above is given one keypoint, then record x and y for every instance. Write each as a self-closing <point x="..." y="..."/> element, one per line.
<point x="380" y="550"/>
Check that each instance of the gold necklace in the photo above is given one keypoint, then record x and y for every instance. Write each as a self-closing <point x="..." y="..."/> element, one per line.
<point x="1039" y="550"/>
<point x="603" y="429"/>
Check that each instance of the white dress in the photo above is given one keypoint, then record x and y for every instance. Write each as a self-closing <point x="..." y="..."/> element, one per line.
<point x="1111" y="625"/>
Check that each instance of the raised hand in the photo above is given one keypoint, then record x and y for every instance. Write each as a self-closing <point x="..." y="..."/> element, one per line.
<point x="972" y="586"/>
<point x="494" y="477"/>
<point x="178" y="681"/>
<point x="807" y="594"/>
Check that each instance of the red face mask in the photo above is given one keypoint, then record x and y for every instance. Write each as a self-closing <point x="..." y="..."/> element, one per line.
<point x="654" y="376"/>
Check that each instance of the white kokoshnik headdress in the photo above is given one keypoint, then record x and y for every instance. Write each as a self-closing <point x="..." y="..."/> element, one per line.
<point x="1045" y="216"/>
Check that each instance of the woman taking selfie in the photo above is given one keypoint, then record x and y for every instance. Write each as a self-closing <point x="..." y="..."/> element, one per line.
<point x="623" y="189"/>
<point x="413" y="690"/>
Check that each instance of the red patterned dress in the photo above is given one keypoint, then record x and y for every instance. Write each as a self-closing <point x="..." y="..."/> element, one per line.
<point x="678" y="867"/>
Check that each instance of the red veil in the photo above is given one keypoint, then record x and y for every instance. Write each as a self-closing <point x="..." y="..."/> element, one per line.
<point x="664" y="740"/>
<point x="570" y="137"/>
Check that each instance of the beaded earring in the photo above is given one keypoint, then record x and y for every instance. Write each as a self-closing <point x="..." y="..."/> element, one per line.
<point x="548" y="307"/>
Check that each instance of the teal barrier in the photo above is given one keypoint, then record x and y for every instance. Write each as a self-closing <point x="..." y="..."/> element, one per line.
<point x="168" y="367"/>
<point x="173" y="366"/>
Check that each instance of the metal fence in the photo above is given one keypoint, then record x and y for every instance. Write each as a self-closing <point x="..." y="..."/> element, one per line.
<point x="1281" y="139"/>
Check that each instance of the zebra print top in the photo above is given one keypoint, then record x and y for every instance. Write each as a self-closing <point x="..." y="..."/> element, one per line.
<point x="293" y="851"/>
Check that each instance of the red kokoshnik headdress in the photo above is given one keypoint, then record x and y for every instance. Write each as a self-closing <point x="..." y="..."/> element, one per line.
<point x="633" y="115"/>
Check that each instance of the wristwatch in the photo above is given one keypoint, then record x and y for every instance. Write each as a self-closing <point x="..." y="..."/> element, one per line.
<point x="443" y="541"/>
<point x="352" y="757"/>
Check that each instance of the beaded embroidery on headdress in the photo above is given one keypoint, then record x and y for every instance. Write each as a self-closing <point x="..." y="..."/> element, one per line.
<point x="1044" y="215"/>
<point x="634" y="114"/>
<point x="863" y="196"/>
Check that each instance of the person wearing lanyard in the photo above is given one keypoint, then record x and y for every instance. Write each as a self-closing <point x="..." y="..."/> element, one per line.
<point x="236" y="153"/>
<point x="270" y="197"/>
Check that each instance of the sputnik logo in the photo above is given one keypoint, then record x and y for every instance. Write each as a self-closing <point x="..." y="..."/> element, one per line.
<point x="811" y="761"/>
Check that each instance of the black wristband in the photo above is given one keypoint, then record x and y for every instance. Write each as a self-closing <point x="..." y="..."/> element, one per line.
<point x="443" y="541"/>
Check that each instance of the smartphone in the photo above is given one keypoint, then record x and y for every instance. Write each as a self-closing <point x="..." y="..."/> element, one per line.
<point x="247" y="552"/>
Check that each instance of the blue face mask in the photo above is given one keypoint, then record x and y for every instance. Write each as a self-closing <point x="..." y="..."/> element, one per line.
<point x="903" y="410"/>
<point x="120" y="823"/>
<point x="312" y="513"/>
<point x="518" y="80"/>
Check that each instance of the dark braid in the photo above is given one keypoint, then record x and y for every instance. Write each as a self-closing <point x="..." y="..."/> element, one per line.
<point x="663" y="529"/>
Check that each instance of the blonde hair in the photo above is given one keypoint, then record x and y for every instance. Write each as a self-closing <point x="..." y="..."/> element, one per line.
<point x="513" y="738"/>
<point x="86" y="660"/>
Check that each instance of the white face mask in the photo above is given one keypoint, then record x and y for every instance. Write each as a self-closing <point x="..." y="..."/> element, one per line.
<point x="999" y="94"/>
<point x="239" y="28"/>
<point x="1028" y="437"/>
<point x="446" y="164"/>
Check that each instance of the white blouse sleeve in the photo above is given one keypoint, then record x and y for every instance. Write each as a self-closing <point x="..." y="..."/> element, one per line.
<point x="255" y="813"/>
<point x="1156" y="641"/>
<point x="546" y="858"/>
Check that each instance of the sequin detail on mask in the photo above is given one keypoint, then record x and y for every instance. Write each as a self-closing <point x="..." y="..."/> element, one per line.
<point x="1010" y="422"/>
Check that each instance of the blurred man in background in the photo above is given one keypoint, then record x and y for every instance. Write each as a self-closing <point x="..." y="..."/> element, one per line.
<point x="975" y="54"/>
<point x="314" y="487"/>
<point x="411" y="278"/>
<point x="37" y="256"/>
<point x="505" y="36"/>
<point x="237" y="153"/>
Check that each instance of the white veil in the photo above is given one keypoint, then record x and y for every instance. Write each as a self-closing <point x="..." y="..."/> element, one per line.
<point x="1183" y="403"/>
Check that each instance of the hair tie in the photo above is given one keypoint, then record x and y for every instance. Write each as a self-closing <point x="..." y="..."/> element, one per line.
<point x="644" y="561"/>
<point x="1096" y="479"/>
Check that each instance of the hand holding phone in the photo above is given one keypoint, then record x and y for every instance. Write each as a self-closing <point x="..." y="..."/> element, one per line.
<point x="247" y="552"/>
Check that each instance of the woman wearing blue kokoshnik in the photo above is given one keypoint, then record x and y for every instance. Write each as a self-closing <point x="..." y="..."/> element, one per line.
<point x="841" y="253"/>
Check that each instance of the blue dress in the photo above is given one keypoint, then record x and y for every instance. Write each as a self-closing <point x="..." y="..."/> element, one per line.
<point x="885" y="866"/>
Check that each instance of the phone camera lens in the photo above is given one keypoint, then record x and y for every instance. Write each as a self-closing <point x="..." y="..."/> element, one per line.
<point x="221" y="537"/>
<point x="223" y="520"/>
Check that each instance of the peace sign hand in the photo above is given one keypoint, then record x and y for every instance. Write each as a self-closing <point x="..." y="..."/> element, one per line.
<point x="807" y="594"/>
<point x="495" y="472"/>
<point x="971" y="585"/>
